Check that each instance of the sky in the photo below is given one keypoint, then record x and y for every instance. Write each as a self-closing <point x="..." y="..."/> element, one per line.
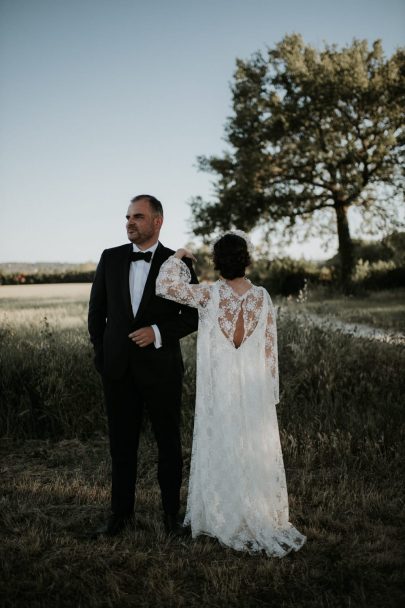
<point x="101" y="100"/>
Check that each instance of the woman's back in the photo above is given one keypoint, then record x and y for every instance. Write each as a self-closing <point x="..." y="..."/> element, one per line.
<point x="239" y="313"/>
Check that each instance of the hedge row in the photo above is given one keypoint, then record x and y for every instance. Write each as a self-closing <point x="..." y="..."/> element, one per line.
<point x="283" y="276"/>
<point x="21" y="278"/>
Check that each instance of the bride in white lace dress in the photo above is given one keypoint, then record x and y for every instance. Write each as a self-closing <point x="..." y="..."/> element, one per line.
<point x="237" y="490"/>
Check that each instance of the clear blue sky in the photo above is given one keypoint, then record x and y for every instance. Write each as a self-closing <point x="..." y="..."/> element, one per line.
<point x="105" y="99"/>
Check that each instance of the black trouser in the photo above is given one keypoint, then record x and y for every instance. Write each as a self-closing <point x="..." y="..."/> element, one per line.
<point x="126" y="400"/>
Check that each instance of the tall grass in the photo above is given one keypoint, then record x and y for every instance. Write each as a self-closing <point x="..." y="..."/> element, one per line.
<point x="341" y="422"/>
<point x="48" y="385"/>
<point x="331" y="384"/>
<point x="342" y="388"/>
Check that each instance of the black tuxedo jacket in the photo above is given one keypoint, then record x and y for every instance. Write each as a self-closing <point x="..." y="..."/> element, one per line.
<point x="111" y="319"/>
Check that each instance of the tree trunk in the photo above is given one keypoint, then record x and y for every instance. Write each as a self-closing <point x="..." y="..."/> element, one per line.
<point x="345" y="246"/>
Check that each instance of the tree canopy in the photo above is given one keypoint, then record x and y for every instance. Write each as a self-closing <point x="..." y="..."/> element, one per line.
<point x="310" y="130"/>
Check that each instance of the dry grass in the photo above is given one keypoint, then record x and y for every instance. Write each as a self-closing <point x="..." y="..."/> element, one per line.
<point x="50" y="292"/>
<point x="54" y="492"/>
<point x="62" y="305"/>
<point x="341" y="417"/>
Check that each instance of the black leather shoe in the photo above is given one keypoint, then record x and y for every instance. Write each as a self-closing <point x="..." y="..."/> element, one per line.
<point x="115" y="525"/>
<point x="172" y="525"/>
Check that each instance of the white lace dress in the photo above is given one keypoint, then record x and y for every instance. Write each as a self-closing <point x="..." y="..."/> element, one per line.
<point x="237" y="489"/>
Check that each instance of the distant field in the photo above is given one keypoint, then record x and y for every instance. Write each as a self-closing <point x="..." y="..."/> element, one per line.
<point x="385" y="309"/>
<point x="70" y="291"/>
<point x="382" y="309"/>
<point x="60" y="306"/>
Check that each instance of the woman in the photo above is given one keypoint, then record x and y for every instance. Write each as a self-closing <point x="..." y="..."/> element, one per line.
<point x="237" y="490"/>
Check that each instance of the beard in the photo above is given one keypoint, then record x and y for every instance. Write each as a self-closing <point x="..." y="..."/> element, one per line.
<point x="139" y="237"/>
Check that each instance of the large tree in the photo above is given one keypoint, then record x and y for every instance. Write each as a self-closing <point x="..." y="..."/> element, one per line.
<point x="310" y="130"/>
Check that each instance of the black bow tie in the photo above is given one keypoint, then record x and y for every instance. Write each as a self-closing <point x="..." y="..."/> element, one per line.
<point x="141" y="255"/>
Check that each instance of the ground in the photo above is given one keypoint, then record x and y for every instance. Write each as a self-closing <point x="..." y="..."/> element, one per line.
<point x="341" y="421"/>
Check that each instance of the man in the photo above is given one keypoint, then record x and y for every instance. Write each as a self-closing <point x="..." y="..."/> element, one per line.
<point x="136" y="335"/>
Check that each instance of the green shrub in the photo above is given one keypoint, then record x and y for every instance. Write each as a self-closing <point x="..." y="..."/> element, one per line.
<point x="286" y="276"/>
<point x="21" y="278"/>
<point x="379" y="275"/>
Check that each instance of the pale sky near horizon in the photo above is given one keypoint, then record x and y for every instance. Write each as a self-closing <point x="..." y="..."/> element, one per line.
<point x="102" y="100"/>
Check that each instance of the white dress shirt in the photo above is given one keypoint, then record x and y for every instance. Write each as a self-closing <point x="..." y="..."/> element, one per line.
<point x="138" y="273"/>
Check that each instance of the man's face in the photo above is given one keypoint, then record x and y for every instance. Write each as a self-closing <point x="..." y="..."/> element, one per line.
<point x="143" y="226"/>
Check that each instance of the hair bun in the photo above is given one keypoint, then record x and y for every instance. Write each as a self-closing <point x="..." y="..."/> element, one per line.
<point x="231" y="255"/>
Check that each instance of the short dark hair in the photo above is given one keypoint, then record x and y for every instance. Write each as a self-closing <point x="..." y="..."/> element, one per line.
<point x="156" y="205"/>
<point x="231" y="256"/>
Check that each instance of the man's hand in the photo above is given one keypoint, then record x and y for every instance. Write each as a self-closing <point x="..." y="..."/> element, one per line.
<point x="143" y="337"/>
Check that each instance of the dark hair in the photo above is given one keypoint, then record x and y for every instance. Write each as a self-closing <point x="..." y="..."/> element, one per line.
<point x="153" y="202"/>
<point x="231" y="256"/>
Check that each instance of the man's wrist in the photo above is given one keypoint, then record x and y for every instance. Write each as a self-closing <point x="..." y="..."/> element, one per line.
<point x="158" y="338"/>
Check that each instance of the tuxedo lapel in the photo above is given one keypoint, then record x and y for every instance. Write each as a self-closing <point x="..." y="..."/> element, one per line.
<point x="125" y="280"/>
<point x="149" y="291"/>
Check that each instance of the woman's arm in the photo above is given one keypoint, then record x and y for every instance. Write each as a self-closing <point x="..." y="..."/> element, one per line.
<point x="173" y="282"/>
<point x="271" y="352"/>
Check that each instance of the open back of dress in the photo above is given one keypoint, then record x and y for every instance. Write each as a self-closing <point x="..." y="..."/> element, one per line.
<point x="238" y="314"/>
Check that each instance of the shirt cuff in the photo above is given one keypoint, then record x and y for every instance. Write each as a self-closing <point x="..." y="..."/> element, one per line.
<point x="158" y="337"/>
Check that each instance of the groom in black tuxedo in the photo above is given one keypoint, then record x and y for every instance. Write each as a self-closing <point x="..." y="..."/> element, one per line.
<point x="135" y="336"/>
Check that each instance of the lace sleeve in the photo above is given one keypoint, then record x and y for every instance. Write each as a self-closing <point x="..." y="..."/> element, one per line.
<point x="271" y="346"/>
<point x="173" y="283"/>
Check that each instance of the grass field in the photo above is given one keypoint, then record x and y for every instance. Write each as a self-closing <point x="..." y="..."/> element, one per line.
<point x="384" y="309"/>
<point x="341" y="420"/>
